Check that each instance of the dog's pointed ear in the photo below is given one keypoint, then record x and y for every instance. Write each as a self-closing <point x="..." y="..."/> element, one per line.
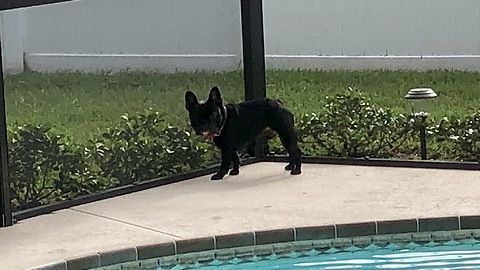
<point x="190" y="100"/>
<point x="215" y="96"/>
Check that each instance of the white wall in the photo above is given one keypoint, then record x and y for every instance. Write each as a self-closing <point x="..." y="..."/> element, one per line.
<point x="169" y="35"/>
<point x="163" y="35"/>
<point x="418" y="34"/>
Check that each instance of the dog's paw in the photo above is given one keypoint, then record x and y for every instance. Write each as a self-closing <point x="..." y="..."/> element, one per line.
<point x="289" y="167"/>
<point x="296" y="171"/>
<point x="234" y="172"/>
<point x="217" y="176"/>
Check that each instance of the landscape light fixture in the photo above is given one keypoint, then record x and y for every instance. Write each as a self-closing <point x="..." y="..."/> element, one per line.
<point x="420" y="98"/>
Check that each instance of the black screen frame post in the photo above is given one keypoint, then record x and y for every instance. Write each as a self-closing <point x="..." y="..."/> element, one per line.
<point x="254" y="59"/>
<point x="5" y="202"/>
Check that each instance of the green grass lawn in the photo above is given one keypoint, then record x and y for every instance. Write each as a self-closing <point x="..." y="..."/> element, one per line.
<point x="81" y="105"/>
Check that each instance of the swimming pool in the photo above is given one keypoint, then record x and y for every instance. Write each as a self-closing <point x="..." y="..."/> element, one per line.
<point x="451" y="256"/>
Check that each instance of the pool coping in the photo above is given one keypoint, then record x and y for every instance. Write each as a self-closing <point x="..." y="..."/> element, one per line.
<point x="425" y="229"/>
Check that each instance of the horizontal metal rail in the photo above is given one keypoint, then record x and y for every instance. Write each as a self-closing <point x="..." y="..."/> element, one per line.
<point x="383" y="162"/>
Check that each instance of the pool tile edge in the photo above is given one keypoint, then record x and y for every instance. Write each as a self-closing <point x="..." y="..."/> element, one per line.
<point x="340" y="235"/>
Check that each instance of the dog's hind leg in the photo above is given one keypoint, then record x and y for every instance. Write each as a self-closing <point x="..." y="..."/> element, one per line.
<point x="285" y="128"/>
<point x="290" y="165"/>
<point x="288" y="137"/>
<point x="236" y="164"/>
<point x="290" y="143"/>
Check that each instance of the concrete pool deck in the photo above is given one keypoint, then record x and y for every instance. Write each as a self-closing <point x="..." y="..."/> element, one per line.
<point x="262" y="197"/>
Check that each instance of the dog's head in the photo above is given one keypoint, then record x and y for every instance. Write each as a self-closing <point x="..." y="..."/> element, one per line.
<point x="206" y="117"/>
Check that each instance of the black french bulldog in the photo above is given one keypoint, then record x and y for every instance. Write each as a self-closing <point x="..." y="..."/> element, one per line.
<point x="234" y="125"/>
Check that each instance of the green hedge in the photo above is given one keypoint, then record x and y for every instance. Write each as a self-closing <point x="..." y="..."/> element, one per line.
<point x="47" y="167"/>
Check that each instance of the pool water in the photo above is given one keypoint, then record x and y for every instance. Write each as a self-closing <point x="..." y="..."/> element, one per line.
<point x="461" y="256"/>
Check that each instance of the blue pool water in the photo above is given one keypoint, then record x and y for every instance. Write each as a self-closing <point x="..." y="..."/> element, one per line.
<point x="439" y="257"/>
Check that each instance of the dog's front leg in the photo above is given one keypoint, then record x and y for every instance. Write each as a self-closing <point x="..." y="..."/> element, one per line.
<point x="236" y="164"/>
<point x="225" y="165"/>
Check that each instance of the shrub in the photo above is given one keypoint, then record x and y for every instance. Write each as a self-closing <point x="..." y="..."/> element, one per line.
<point x="45" y="168"/>
<point x="457" y="139"/>
<point x="350" y="126"/>
<point x="144" y="147"/>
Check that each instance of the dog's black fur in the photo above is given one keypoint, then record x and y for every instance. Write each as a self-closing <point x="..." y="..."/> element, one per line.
<point x="234" y="125"/>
